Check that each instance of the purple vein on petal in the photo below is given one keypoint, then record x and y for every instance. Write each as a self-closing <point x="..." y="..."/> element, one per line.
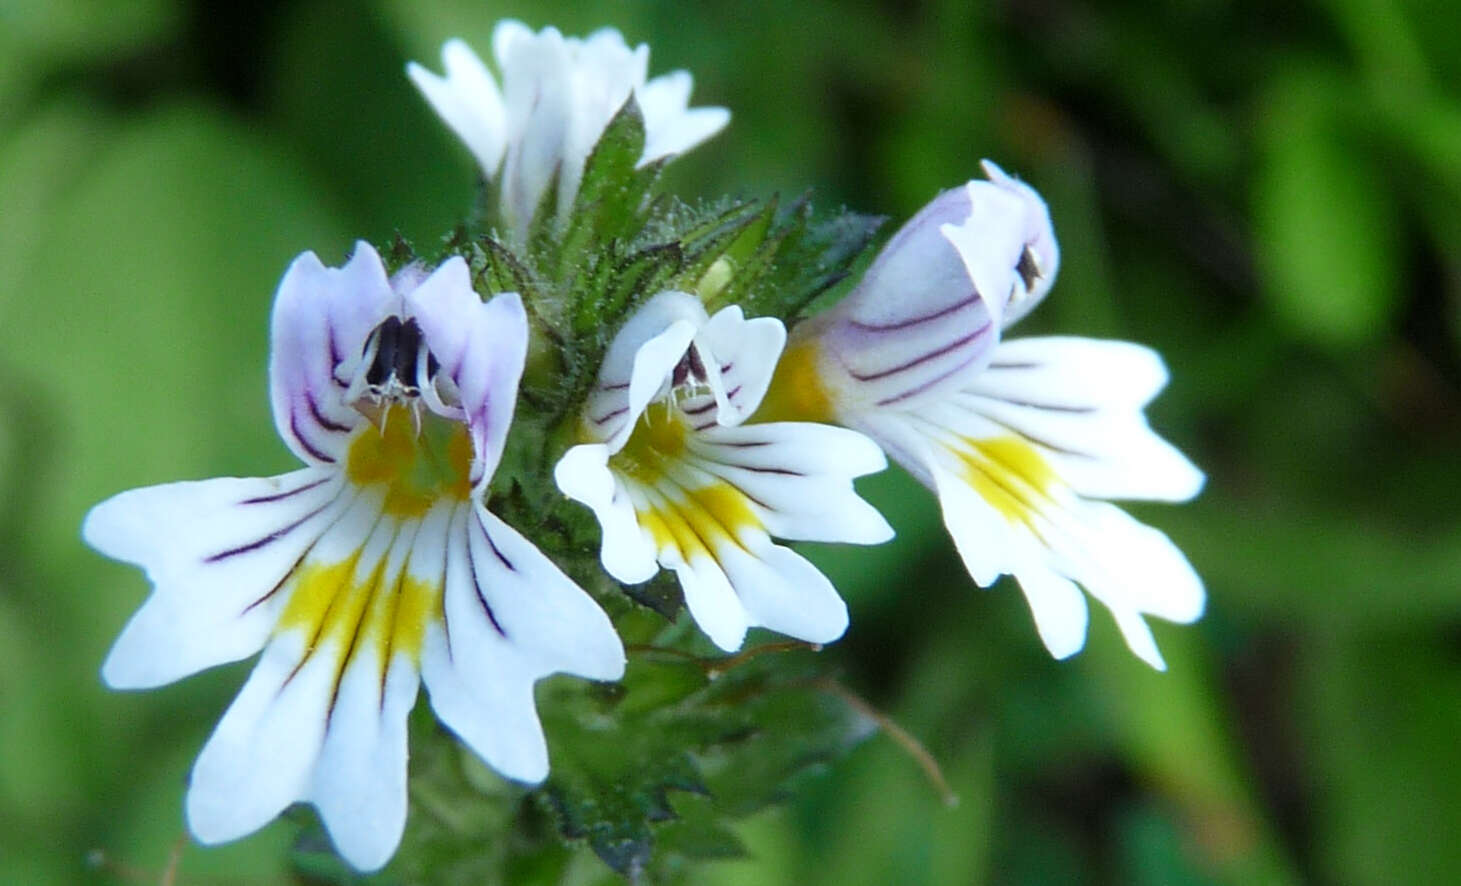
<point x="974" y="298"/>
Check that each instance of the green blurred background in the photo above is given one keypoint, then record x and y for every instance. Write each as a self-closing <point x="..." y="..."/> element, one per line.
<point x="1270" y="194"/>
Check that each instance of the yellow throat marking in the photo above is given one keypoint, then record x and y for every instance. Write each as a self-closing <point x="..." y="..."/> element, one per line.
<point x="416" y="469"/>
<point x="1010" y="474"/>
<point x="797" y="392"/>
<point x="331" y="605"/>
<point x="694" y="520"/>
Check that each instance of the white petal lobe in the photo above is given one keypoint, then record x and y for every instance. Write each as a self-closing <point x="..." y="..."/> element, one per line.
<point x="260" y="756"/>
<point x="212" y="549"/>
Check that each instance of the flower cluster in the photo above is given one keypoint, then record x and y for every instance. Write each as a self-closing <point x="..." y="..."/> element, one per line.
<point x="697" y="436"/>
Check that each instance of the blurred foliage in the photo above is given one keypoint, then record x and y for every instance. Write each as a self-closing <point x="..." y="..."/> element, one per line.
<point x="1269" y="194"/>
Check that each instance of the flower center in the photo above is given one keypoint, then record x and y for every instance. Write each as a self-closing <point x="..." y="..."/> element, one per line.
<point x="695" y="516"/>
<point x="397" y="357"/>
<point x="797" y="392"/>
<point x="419" y="464"/>
<point x="689" y="372"/>
<point x="660" y="435"/>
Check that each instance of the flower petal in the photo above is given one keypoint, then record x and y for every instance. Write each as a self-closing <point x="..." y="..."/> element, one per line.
<point x="510" y="617"/>
<point x="990" y="241"/>
<point x="481" y="347"/>
<point x="583" y="475"/>
<point x="552" y="622"/>
<point x="798" y="477"/>
<point x="359" y="781"/>
<point x="711" y="601"/>
<point x="1058" y="607"/>
<point x="683" y="132"/>
<point x="639" y="362"/>
<point x="213" y="550"/>
<point x="603" y="72"/>
<point x="733" y="576"/>
<point x="468" y="100"/>
<point x="782" y="591"/>
<point x="507" y="34"/>
<point x="924" y="316"/>
<point x="537" y="90"/>
<point x="670" y="125"/>
<point x="322" y="317"/>
<point x="1079" y="401"/>
<point x="744" y="358"/>
<point x="1009" y="512"/>
<point x="664" y="97"/>
<point x="1041" y="260"/>
<point x="479" y="687"/>
<point x="262" y="755"/>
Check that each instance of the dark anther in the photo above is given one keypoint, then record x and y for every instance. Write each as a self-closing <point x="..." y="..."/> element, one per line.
<point x="397" y="350"/>
<point x="1028" y="268"/>
<point x="408" y="351"/>
<point x="385" y="337"/>
<point x="689" y="369"/>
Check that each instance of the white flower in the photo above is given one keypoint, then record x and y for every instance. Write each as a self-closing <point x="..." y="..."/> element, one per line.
<point x="1022" y="440"/>
<point x="374" y="568"/>
<point x="677" y="481"/>
<point x="558" y="94"/>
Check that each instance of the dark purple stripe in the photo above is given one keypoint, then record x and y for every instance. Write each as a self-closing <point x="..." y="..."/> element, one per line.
<point x="755" y="499"/>
<point x="308" y="447"/>
<point x="618" y="387"/>
<point x="445" y="618"/>
<point x="886" y="401"/>
<point x="327" y="424"/>
<point x="280" y="496"/>
<point x="699" y="409"/>
<point x="612" y="415"/>
<point x="1073" y="453"/>
<point x="477" y="585"/>
<point x="784" y="472"/>
<point x="266" y="540"/>
<point x="278" y="585"/>
<point x="350" y="652"/>
<point x="904" y="324"/>
<point x="492" y="544"/>
<point x="314" y="639"/>
<point x="1049" y="407"/>
<point x="916" y="361"/>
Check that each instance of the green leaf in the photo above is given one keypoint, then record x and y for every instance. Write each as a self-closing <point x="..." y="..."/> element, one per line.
<point x="611" y="195"/>
<point x="625" y="283"/>
<point x="814" y="257"/>
<point x="779" y="266"/>
<point x="495" y="268"/>
<point x="735" y="738"/>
